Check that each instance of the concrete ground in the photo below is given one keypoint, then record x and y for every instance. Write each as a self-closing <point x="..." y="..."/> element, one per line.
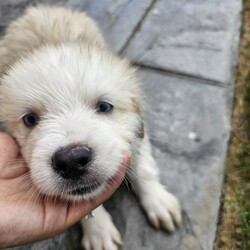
<point x="186" y="52"/>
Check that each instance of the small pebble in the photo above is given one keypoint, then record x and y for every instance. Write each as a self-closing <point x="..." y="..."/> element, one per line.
<point x="193" y="136"/>
<point x="156" y="12"/>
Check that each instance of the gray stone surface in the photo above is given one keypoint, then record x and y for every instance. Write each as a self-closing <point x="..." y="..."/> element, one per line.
<point x="191" y="169"/>
<point x="68" y="240"/>
<point x="116" y="18"/>
<point x="179" y="43"/>
<point x="195" y="37"/>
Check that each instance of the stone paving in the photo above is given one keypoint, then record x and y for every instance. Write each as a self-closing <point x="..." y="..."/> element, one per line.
<point x="186" y="52"/>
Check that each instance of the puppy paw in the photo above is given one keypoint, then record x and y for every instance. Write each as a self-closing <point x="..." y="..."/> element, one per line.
<point x="101" y="235"/>
<point x="162" y="208"/>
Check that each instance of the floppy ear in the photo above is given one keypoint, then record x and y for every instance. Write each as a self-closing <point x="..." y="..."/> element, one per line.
<point x="140" y="131"/>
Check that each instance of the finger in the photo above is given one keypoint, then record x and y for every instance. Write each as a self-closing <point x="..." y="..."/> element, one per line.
<point x="8" y="148"/>
<point x="10" y="167"/>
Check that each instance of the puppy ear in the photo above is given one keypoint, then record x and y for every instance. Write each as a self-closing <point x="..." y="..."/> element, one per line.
<point x="140" y="131"/>
<point x="137" y="109"/>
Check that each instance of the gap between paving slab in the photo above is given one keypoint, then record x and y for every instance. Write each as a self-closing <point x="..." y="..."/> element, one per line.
<point x="181" y="75"/>
<point x="136" y="28"/>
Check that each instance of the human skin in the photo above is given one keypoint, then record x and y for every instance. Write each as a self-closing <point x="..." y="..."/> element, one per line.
<point x="26" y="216"/>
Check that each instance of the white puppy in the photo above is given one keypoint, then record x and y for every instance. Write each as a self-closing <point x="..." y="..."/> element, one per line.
<point x="75" y="110"/>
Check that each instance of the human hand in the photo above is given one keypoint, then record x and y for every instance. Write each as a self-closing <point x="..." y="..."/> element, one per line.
<point x="26" y="217"/>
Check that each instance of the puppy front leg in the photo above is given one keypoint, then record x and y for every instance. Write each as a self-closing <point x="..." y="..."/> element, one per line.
<point x="100" y="232"/>
<point x="162" y="208"/>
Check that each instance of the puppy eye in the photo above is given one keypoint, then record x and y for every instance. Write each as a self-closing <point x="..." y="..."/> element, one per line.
<point x="30" y="120"/>
<point x="104" y="107"/>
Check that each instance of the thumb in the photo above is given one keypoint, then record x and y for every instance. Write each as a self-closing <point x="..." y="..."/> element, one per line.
<point x="10" y="167"/>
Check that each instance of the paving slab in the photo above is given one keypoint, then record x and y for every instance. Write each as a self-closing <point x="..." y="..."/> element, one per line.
<point x="68" y="240"/>
<point x="191" y="167"/>
<point x="195" y="37"/>
<point x="117" y="19"/>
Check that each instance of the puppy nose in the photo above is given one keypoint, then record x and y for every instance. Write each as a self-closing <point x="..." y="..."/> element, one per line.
<point x="71" y="161"/>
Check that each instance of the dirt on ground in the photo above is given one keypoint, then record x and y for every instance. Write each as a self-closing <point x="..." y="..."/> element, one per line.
<point x="234" y="220"/>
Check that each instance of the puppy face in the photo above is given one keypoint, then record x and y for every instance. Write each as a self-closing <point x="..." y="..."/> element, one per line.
<point x="74" y="111"/>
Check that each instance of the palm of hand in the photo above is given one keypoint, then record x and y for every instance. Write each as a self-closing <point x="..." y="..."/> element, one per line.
<point x="26" y="216"/>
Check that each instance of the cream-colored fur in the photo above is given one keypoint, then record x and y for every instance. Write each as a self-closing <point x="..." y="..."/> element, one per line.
<point x="43" y="26"/>
<point x="54" y="63"/>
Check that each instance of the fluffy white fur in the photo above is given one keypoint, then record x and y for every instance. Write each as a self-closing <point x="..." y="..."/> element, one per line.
<point x="54" y="63"/>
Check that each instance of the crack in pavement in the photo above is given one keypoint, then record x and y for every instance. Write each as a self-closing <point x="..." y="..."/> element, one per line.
<point x="137" y="27"/>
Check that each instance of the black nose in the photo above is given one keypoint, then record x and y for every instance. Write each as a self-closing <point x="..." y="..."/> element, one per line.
<point x="72" y="161"/>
